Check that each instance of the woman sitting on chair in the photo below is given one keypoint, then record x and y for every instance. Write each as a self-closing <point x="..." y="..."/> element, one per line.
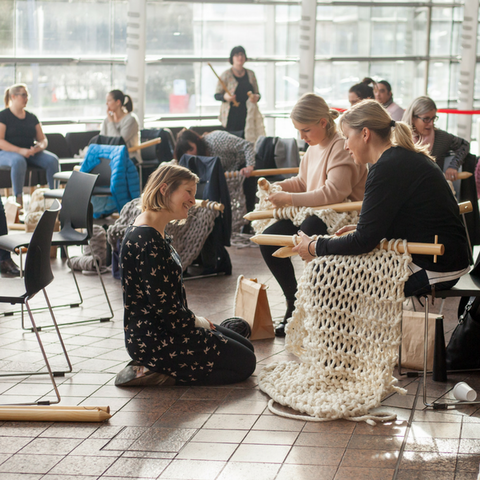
<point x="22" y="141"/>
<point x="421" y="115"/>
<point x="327" y="175"/>
<point x="168" y="342"/>
<point x="121" y="121"/>
<point x="406" y="197"/>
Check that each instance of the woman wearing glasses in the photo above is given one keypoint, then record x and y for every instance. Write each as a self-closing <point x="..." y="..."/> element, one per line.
<point x="22" y="141"/>
<point x="421" y="116"/>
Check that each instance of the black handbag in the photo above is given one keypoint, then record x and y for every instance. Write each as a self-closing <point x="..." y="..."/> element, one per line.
<point x="463" y="351"/>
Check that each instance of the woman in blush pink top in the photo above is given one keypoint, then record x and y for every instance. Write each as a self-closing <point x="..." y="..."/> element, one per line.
<point x="327" y="175"/>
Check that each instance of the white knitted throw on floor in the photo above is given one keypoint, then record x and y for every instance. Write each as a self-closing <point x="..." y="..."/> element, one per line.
<point x="332" y="219"/>
<point x="345" y="330"/>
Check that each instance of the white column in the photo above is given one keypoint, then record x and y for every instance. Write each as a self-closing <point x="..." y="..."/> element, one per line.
<point x="306" y="70"/>
<point x="467" y="67"/>
<point x="136" y="32"/>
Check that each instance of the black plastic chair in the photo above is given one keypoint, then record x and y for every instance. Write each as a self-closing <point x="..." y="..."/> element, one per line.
<point x="76" y="214"/>
<point x="38" y="274"/>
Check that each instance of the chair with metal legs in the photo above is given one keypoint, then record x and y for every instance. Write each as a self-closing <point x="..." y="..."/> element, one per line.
<point x="76" y="220"/>
<point x="467" y="286"/>
<point x="38" y="274"/>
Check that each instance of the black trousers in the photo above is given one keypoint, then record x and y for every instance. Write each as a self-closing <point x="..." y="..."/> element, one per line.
<point x="282" y="268"/>
<point x="238" y="360"/>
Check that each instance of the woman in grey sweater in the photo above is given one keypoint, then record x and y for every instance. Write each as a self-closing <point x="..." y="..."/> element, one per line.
<point x="121" y="121"/>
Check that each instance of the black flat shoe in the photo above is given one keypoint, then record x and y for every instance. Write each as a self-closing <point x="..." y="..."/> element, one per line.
<point x="134" y="375"/>
<point x="280" y="330"/>
<point x="8" y="268"/>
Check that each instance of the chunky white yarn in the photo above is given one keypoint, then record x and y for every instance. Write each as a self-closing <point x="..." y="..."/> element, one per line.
<point x="332" y="219"/>
<point x="345" y="330"/>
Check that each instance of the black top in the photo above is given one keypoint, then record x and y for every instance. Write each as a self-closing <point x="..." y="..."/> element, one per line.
<point x="20" y="132"/>
<point x="445" y="143"/>
<point x="406" y="197"/>
<point x="160" y="329"/>
<point x="238" y="115"/>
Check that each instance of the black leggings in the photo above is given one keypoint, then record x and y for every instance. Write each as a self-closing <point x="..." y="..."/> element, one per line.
<point x="237" y="363"/>
<point x="282" y="268"/>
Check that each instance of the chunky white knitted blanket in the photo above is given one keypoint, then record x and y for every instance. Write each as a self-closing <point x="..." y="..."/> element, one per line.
<point x="345" y="331"/>
<point x="332" y="219"/>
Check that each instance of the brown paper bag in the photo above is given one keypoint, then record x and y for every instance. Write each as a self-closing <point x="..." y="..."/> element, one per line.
<point x="251" y="303"/>
<point x="413" y="328"/>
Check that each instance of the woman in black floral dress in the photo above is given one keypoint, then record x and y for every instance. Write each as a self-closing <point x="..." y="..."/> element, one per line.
<point x="168" y="342"/>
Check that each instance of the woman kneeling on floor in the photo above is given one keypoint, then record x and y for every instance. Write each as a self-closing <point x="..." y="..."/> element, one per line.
<point x="168" y="343"/>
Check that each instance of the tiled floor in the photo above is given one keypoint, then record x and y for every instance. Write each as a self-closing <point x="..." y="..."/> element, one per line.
<point x="222" y="433"/>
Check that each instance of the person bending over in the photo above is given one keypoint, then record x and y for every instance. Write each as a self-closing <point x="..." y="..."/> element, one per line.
<point x="327" y="175"/>
<point x="165" y="339"/>
<point x="361" y="91"/>
<point x="406" y="197"/>
<point x="22" y="141"/>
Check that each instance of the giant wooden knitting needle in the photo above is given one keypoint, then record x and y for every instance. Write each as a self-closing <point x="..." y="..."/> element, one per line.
<point x="338" y="207"/>
<point x="287" y="241"/>
<point x="219" y="207"/>
<point x="265" y="172"/>
<point x="222" y="83"/>
<point x="54" y="413"/>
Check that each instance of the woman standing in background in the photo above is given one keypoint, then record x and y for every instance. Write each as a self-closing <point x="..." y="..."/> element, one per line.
<point x="244" y="120"/>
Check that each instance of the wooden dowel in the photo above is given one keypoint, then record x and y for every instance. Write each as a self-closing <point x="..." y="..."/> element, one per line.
<point x="143" y="145"/>
<point x="465" y="207"/>
<point x="413" y="247"/>
<point x="263" y="183"/>
<point x="52" y="414"/>
<point x="464" y="175"/>
<point x="338" y="207"/>
<point x="217" y="206"/>
<point x="222" y="83"/>
<point x="104" y="408"/>
<point x="264" y="172"/>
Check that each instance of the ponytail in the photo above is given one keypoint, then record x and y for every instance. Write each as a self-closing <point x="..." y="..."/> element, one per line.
<point x="370" y="114"/>
<point x="13" y="90"/>
<point x="311" y="108"/>
<point x="125" y="100"/>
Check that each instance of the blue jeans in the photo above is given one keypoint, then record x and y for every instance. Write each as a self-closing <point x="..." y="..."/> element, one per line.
<point x="18" y="167"/>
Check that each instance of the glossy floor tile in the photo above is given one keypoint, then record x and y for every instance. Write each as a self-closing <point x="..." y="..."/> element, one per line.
<point x="208" y="433"/>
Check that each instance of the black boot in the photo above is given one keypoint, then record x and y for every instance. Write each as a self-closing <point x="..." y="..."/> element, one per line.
<point x="280" y="330"/>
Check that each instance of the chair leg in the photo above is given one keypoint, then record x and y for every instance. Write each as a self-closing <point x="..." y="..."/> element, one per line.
<point x="99" y="274"/>
<point x="51" y="374"/>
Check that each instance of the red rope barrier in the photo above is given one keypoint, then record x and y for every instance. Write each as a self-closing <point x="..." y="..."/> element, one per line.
<point x="440" y="110"/>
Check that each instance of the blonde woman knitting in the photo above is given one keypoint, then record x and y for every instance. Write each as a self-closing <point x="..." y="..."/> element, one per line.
<point x="327" y="175"/>
<point x="406" y="197"/>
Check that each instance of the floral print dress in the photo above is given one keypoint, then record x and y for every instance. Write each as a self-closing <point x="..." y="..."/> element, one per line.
<point x="160" y="330"/>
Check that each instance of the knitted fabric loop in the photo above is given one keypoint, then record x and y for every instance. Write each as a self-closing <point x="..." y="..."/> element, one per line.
<point x="332" y="219"/>
<point x="188" y="238"/>
<point x="345" y="331"/>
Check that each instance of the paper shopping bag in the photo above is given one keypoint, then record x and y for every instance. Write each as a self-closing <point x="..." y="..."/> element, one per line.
<point x="413" y="327"/>
<point x="251" y="303"/>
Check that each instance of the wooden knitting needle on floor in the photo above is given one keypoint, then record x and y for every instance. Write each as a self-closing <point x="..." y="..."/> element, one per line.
<point x="338" y="207"/>
<point x="222" y="83"/>
<point x="52" y="413"/>
<point x="286" y="241"/>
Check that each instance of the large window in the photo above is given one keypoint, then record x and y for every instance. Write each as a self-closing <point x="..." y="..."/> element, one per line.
<point x="71" y="52"/>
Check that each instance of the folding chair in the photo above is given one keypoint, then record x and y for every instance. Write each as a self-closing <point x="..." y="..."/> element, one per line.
<point x="38" y="274"/>
<point x="76" y="220"/>
<point x="467" y="286"/>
